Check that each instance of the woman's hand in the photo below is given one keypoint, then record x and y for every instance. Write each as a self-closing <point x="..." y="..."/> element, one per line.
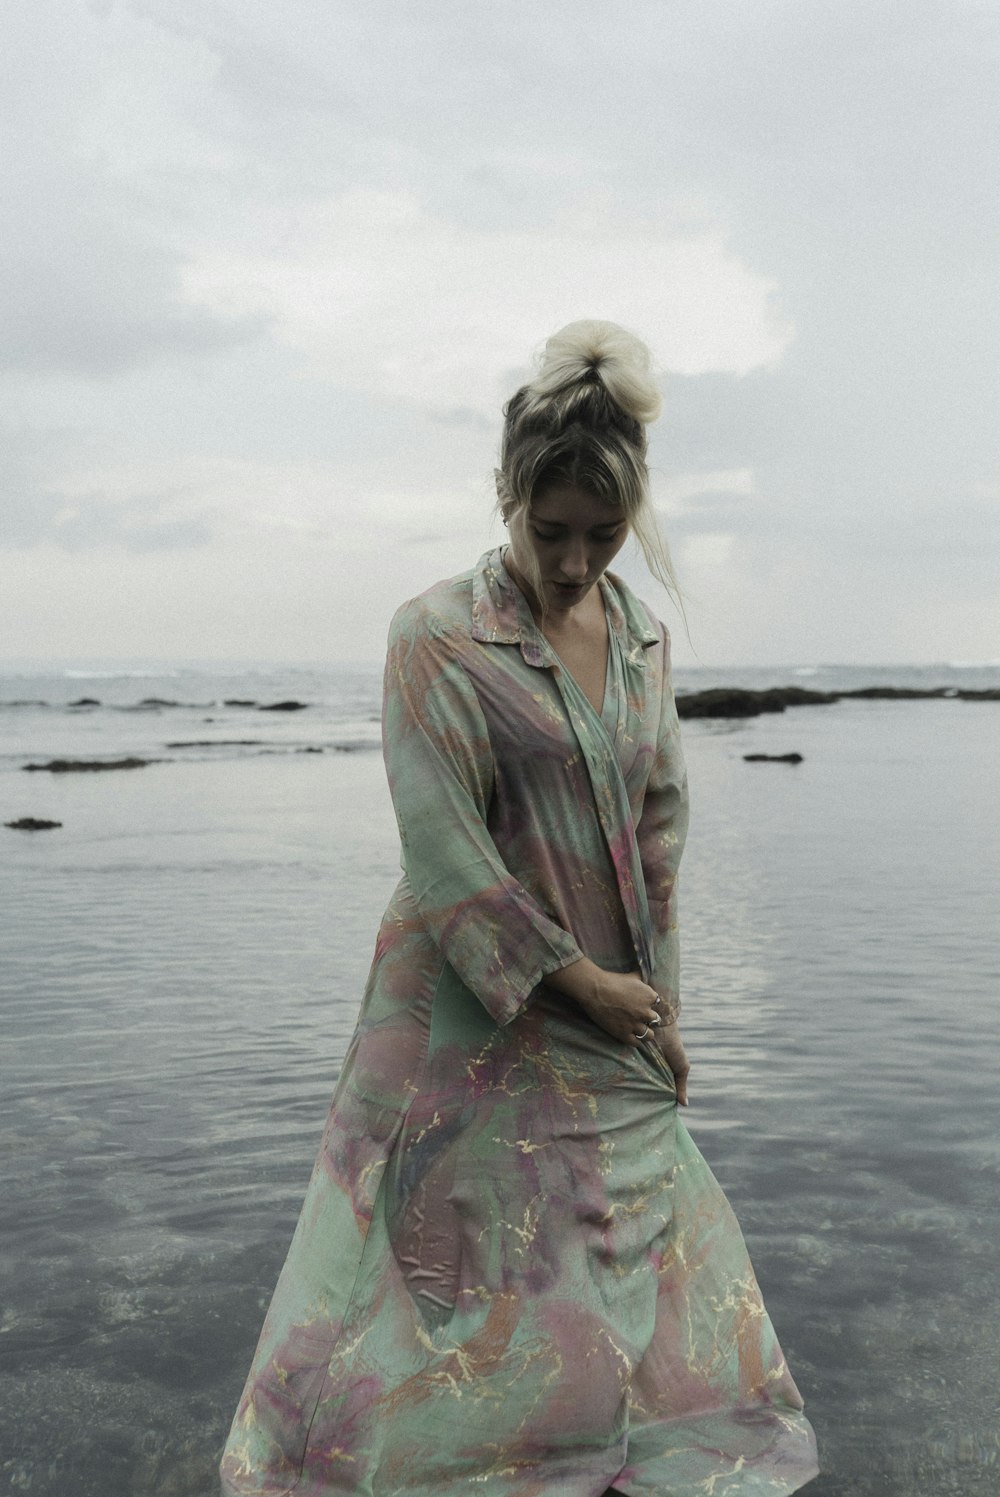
<point x="628" y="1009"/>
<point x="623" y="1005"/>
<point x="671" y="1047"/>
<point x="620" y="1002"/>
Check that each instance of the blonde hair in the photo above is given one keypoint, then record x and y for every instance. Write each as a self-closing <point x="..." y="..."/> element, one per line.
<point x="581" y="422"/>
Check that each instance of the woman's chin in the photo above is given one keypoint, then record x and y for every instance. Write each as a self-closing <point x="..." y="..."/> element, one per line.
<point x="561" y="595"/>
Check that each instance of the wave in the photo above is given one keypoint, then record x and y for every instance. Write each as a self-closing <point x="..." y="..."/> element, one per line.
<point x="118" y="675"/>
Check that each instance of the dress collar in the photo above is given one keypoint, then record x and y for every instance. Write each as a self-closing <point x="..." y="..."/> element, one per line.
<point x="501" y="616"/>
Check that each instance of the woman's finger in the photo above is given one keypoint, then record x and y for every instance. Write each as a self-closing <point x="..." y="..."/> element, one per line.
<point x="672" y="1049"/>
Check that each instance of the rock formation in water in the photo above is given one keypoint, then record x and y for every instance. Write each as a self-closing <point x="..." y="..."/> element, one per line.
<point x="739" y="701"/>
<point x="70" y="766"/>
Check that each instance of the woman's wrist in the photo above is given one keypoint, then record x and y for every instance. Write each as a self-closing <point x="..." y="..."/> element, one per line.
<point x="579" y="981"/>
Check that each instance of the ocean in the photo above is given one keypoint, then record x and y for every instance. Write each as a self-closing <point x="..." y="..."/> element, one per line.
<point x="181" y="962"/>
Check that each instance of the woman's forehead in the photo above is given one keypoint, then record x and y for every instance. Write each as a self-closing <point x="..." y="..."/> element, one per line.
<point x="566" y="504"/>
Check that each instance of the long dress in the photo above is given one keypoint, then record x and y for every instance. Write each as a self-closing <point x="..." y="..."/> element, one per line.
<point x="513" y="1272"/>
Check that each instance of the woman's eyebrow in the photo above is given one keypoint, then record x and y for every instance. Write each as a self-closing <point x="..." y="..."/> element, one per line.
<point x="561" y="525"/>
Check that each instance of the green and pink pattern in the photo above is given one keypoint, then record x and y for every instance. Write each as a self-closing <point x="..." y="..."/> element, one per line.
<point x="514" y="1273"/>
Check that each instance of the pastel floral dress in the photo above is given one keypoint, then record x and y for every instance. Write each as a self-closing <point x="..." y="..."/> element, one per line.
<point x="513" y="1272"/>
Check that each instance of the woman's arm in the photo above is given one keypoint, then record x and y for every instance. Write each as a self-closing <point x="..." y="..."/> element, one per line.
<point x="660" y="833"/>
<point x="440" y="767"/>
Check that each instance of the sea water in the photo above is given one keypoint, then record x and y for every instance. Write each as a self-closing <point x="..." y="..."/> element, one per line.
<point x="180" y="967"/>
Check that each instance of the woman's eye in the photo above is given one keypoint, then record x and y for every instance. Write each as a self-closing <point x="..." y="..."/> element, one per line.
<point x="600" y="538"/>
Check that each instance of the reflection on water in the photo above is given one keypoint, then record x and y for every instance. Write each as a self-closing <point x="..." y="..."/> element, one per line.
<point x="181" y="971"/>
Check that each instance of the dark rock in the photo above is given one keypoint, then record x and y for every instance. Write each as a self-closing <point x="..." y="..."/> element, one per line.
<point x="85" y="702"/>
<point x="283" y="706"/>
<point x="736" y="701"/>
<point x="158" y="702"/>
<point x="725" y="701"/>
<point x="24" y="702"/>
<point x="309" y="751"/>
<point x="32" y="824"/>
<point x="215" y="742"/>
<point x="803" y="696"/>
<point x="772" y="758"/>
<point x="68" y="766"/>
<point x="239" y="702"/>
<point x="894" y="693"/>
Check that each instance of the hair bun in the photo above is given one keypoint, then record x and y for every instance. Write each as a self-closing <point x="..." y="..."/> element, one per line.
<point x="588" y="351"/>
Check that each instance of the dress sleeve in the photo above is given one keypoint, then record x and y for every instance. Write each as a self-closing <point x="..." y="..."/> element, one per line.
<point x="440" y="767"/>
<point x="660" y="834"/>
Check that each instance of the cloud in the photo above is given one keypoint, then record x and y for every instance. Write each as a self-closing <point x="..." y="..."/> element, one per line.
<point x="84" y="289"/>
<point x="135" y="526"/>
<point x="90" y="275"/>
<point x="53" y="494"/>
<point x="181" y="503"/>
<point x="380" y="294"/>
<point x="32" y="517"/>
<point x="718" y="515"/>
<point x="267" y="68"/>
<point x="269" y="272"/>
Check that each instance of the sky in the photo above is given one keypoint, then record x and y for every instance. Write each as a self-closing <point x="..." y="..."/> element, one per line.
<point x="269" y="271"/>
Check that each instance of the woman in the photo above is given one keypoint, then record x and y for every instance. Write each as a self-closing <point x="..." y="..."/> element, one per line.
<point x="513" y="1272"/>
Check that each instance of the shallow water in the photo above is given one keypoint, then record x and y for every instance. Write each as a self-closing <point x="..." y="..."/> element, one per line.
<point x="181" y="967"/>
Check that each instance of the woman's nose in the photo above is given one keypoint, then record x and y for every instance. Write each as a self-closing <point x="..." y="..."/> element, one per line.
<point x="574" y="562"/>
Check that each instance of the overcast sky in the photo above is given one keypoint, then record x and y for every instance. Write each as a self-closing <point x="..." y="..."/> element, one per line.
<point x="269" y="268"/>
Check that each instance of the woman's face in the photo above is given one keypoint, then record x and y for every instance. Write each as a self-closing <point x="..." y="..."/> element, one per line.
<point x="574" y="538"/>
